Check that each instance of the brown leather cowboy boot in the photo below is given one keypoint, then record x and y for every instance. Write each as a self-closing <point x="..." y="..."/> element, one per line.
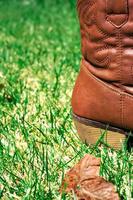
<point x="103" y="94"/>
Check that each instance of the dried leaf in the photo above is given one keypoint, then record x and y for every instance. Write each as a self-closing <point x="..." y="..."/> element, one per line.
<point x="86" y="183"/>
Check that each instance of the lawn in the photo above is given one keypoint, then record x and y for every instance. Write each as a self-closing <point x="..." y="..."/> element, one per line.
<point x="39" y="62"/>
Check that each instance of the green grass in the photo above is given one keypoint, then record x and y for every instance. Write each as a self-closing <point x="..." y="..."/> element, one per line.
<point x="39" y="62"/>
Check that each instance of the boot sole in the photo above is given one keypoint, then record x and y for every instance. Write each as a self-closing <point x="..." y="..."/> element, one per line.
<point x="90" y="132"/>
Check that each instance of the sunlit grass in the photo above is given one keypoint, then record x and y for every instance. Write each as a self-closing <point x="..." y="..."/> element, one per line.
<point x="39" y="61"/>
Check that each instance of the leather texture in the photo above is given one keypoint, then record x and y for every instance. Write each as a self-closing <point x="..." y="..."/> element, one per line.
<point x="104" y="87"/>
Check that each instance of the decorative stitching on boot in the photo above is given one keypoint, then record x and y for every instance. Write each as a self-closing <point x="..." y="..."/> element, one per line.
<point x="125" y="13"/>
<point x="122" y="109"/>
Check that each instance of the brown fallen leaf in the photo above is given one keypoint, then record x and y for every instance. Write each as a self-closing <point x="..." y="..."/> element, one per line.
<point x="84" y="180"/>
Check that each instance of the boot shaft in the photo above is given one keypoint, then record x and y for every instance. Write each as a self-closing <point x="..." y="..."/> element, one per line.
<point x="103" y="93"/>
<point x="107" y="40"/>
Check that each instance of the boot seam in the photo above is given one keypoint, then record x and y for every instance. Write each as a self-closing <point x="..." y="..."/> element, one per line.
<point x="120" y="49"/>
<point x="124" y="111"/>
<point x="122" y="108"/>
<point x="120" y="54"/>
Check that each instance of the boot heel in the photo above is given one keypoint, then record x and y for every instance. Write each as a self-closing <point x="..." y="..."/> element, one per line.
<point x="90" y="135"/>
